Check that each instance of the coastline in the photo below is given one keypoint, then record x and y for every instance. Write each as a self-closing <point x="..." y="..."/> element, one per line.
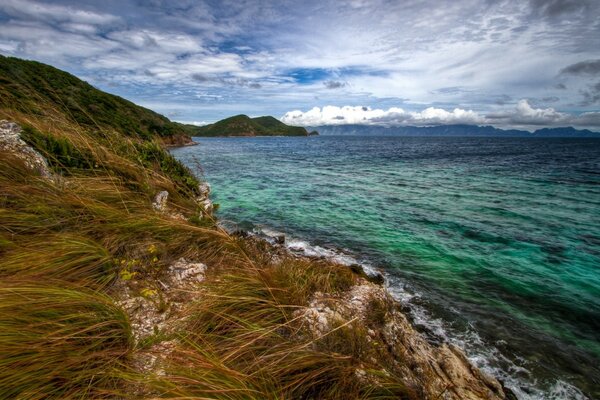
<point x="308" y="192"/>
<point x="448" y="372"/>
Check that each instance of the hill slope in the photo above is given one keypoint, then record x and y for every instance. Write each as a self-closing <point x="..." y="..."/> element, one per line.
<point x="31" y="87"/>
<point x="242" y="125"/>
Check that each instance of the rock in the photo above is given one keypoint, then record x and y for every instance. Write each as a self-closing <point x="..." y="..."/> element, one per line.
<point x="10" y="140"/>
<point x="203" y="201"/>
<point x="439" y="371"/>
<point x="207" y="206"/>
<point x="203" y="190"/>
<point x="279" y="239"/>
<point x="160" y="201"/>
<point x="183" y="273"/>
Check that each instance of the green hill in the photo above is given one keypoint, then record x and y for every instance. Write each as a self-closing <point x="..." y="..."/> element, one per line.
<point x="242" y="125"/>
<point x="29" y="87"/>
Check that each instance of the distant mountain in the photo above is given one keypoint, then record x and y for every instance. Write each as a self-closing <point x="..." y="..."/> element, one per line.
<point x="450" y="130"/>
<point x="242" y="125"/>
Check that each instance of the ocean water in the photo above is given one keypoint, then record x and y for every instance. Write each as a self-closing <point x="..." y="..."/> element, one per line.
<point x="492" y="243"/>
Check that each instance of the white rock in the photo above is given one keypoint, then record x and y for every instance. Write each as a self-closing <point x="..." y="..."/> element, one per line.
<point x="183" y="272"/>
<point x="203" y="190"/>
<point x="160" y="201"/>
<point x="10" y="140"/>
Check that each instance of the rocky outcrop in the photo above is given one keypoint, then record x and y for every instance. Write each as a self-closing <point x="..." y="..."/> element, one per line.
<point x="157" y="310"/>
<point x="10" y="141"/>
<point x="203" y="199"/>
<point x="436" y="371"/>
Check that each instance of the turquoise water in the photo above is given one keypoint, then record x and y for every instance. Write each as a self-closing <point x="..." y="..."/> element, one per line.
<point x="492" y="243"/>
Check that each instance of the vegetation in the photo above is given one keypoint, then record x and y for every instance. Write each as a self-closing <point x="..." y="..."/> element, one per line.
<point x="68" y="245"/>
<point x="31" y="88"/>
<point x="242" y="125"/>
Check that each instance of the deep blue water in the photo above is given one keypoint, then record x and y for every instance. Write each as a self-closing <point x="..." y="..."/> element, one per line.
<point x="494" y="243"/>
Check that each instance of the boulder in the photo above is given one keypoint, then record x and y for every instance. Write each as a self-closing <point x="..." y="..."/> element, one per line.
<point x="203" y="190"/>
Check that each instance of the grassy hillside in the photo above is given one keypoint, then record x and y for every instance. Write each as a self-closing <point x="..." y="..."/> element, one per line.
<point x="31" y="88"/>
<point x="86" y="261"/>
<point x="242" y="125"/>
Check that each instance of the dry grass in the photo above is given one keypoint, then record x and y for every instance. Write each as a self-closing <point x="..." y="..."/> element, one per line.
<point x="59" y="343"/>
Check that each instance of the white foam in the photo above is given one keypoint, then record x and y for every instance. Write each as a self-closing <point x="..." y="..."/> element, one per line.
<point x="304" y="248"/>
<point x="484" y="356"/>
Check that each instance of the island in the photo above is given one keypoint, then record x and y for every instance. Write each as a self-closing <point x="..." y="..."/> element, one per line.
<point x="243" y="125"/>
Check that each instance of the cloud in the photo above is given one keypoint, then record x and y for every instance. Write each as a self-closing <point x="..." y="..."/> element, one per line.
<point x="334" y="84"/>
<point x="591" y="95"/>
<point x="525" y="114"/>
<point x="521" y="115"/>
<point x="460" y="56"/>
<point x="55" y="13"/>
<point x="219" y="80"/>
<point x="555" y="8"/>
<point x="332" y="115"/>
<point x="588" y="67"/>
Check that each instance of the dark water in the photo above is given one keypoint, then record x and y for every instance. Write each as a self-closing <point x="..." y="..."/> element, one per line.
<point x="494" y="243"/>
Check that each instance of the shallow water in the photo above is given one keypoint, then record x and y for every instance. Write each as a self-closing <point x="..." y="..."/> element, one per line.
<point x="494" y="243"/>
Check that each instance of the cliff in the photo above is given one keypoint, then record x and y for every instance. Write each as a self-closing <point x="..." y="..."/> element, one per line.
<point x="242" y="125"/>
<point x="117" y="282"/>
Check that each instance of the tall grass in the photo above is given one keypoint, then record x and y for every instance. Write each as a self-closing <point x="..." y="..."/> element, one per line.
<point x="246" y="320"/>
<point x="59" y="343"/>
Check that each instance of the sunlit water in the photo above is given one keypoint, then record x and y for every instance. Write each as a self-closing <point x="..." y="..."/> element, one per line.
<point x="493" y="243"/>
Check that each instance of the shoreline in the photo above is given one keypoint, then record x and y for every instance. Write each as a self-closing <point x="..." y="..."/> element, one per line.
<point x="435" y="332"/>
<point x="292" y="196"/>
<point x="454" y="356"/>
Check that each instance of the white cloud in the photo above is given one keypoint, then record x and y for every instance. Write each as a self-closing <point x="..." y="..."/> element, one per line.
<point x="53" y="12"/>
<point x="528" y="115"/>
<point x="522" y="115"/>
<point x="394" y="116"/>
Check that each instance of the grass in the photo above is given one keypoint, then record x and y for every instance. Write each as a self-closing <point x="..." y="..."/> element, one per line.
<point x="246" y="320"/>
<point x="59" y="343"/>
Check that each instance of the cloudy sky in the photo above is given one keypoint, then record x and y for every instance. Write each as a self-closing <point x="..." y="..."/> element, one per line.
<point x="506" y="63"/>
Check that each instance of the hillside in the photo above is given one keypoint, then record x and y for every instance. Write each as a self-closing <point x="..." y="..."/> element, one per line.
<point x="451" y="130"/>
<point x="242" y="125"/>
<point x="116" y="282"/>
<point x="29" y="86"/>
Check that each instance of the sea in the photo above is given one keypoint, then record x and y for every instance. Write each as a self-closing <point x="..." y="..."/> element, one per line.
<point x="492" y="244"/>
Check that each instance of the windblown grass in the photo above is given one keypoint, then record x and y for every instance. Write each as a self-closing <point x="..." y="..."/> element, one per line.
<point x="59" y="343"/>
<point x="246" y="322"/>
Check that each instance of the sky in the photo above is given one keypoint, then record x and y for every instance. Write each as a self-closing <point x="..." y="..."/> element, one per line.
<point x="522" y="64"/>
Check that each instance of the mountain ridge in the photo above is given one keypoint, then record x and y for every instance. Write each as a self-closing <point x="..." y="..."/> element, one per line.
<point x="451" y="130"/>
